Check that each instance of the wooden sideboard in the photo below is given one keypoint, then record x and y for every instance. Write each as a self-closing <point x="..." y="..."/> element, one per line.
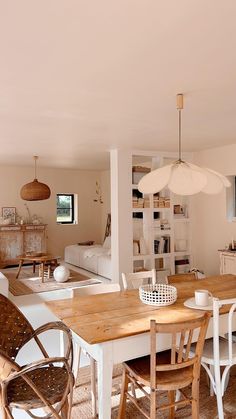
<point x="227" y="262"/>
<point x="18" y="239"/>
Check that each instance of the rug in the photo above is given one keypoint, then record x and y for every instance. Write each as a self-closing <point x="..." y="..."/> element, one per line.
<point x="31" y="283"/>
<point x="208" y="408"/>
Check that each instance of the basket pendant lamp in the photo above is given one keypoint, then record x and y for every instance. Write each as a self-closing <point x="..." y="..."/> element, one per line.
<point x="35" y="191"/>
<point x="181" y="177"/>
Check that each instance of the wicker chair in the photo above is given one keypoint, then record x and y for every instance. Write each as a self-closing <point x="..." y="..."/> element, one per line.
<point x="47" y="383"/>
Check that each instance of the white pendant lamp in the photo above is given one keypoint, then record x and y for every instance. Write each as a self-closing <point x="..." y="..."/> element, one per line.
<point x="181" y="177"/>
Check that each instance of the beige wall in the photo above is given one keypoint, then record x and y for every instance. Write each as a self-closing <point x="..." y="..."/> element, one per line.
<point x="81" y="182"/>
<point x="211" y="229"/>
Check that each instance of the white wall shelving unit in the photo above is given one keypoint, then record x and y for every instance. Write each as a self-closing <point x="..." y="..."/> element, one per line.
<point x="163" y="249"/>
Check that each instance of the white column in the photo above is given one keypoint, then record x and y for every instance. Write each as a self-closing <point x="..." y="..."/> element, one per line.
<point x="121" y="213"/>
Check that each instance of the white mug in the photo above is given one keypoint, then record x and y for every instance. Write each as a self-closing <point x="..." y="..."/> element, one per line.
<point x="202" y="297"/>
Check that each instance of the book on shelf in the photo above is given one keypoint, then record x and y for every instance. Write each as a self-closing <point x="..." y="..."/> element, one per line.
<point x="162" y="245"/>
<point x="138" y="202"/>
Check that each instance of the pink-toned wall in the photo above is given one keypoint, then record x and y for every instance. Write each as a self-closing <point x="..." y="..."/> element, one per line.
<point x="211" y="228"/>
<point x="81" y="182"/>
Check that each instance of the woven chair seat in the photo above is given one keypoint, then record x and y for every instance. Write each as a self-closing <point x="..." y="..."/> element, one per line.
<point x="50" y="381"/>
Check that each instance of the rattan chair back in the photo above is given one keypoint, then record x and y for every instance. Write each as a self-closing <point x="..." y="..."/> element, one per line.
<point x="15" y="328"/>
<point x="44" y="383"/>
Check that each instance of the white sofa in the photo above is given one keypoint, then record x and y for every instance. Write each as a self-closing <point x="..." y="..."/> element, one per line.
<point x="4" y="285"/>
<point x="96" y="259"/>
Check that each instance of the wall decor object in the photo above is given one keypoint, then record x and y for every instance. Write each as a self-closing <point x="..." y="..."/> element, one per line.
<point x="98" y="193"/>
<point x="35" y="191"/>
<point x="182" y="177"/>
<point x="9" y="213"/>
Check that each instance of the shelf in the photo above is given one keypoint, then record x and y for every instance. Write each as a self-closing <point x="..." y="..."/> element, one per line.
<point x="182" y="220"/>
<point x="147" y="221"/>
<point x="160" y="209"/>
<point x="141" y="257"/>
<point x="161" y="255"/>
<point x="186" y="253"/>
<point x="138" y="209"/>
<point x="162" y="232"/>
<point x="148" y="208"/>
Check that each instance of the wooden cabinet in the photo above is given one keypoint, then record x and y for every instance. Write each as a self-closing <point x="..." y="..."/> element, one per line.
<point x="16" y="239"/>
<point x="227" y="262"/>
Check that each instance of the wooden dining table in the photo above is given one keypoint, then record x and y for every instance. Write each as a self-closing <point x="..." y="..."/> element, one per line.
<point x="114" y="327"/>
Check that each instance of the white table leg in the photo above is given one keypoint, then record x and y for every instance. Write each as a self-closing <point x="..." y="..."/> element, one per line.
<point x="104" y="373"/>
<point x="63" y="343"/>
<point x="93" y="386"/>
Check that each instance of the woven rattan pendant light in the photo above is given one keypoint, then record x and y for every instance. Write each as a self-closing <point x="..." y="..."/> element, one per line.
<point x="35" y="191"/>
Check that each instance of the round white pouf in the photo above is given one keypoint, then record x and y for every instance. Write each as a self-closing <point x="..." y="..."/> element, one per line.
<point x="61" y="273"/>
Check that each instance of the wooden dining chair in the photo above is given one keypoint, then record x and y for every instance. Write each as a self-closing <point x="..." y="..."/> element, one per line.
<point x="175" y="279"/>
<point x="47" y="383"/>
<point x="135" y="279"/>
<point x="219" y="352"/>
<point x="170" y="370"/>
<point x="83" y="291"/>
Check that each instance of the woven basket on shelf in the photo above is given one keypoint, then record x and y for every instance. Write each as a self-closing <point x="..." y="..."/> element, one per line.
<point x="158" y="294"/>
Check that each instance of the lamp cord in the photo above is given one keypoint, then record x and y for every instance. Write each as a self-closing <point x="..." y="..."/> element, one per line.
<point x="180" y="152"/>
<point x="35" y="166"/>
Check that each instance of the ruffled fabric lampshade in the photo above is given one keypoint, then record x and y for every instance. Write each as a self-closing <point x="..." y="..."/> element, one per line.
<point x="181" y="177"/>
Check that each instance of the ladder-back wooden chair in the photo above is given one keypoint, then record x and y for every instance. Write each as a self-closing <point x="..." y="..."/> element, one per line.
<point x="47" y="383"/>
<point x="170" y="370"/>
<point x="175" y="279"/>
<point x="135" y="279"/>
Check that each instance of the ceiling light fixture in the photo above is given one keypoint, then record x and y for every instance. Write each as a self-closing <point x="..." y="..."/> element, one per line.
<point x="181" y="177"/>
<point x="35" y="191"/>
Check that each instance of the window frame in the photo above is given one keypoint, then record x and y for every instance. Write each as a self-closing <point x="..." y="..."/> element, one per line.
<point x="231" y="200"/>
<point x="72" y="208"/>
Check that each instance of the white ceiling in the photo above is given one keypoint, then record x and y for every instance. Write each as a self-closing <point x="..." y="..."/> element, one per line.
<point x="80" y="77"/>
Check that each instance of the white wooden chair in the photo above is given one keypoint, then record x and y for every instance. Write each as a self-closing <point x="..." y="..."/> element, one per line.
<point x="79" y="292"/>
<point x="134" y="280"/>
<point x="220" y="352"/>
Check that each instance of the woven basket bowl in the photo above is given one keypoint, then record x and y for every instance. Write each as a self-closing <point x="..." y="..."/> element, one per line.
<point x="158" y="295"/>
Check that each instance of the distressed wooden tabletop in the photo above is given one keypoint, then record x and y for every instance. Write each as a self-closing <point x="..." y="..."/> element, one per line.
<point x="104" y="317"/>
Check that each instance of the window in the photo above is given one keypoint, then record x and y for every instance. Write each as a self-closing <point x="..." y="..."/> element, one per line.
<point x="231" y="199"/>
<point x="65" y="208"/>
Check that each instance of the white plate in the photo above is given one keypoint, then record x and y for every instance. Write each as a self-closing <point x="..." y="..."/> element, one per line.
<point x="190" y="303"/>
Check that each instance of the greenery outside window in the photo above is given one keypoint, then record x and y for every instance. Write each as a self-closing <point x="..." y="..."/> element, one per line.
<point x="65" y="209"/>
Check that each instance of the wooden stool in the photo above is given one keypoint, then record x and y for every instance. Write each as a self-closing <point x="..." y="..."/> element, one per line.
<point x="46" y="269"/>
